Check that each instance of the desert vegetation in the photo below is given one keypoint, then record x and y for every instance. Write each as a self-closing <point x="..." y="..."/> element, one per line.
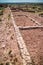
<point x="33" y="8"/>
<point x="1" y="14"/>
<point x="21" y="14"/>
<point x="41" y="14"/>
<point x="1" y="10"/>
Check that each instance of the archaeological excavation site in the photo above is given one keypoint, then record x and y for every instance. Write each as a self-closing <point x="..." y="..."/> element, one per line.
<point x="21" y="34"/>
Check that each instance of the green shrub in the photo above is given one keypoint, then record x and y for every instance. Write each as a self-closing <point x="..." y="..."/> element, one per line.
<point x="1" y="8"/>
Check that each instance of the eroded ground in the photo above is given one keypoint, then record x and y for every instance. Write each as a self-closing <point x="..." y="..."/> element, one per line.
<point x="34" y="42"/>
<point x="33" y="37"/>
<point x="9" y="51"/>
<point x="26" y="18"/>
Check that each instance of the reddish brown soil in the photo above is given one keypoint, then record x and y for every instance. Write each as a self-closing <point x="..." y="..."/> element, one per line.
<point x="8" y="44"/>
<point x="37" y="18"/>
<point x="34" y="42"/>
<point x="33" y="38"/>
<point x="22" y="19"/>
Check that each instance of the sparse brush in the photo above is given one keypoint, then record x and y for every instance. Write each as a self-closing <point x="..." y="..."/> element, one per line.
<point x="8" y="16"/>
<point x="1" y="8"/>
<point x="10" y="51"/>
<point x="0" y="21"/>
<point x="1" y="12"/>
<point x="1" y="64"/>
<point x="41" y="14"/>
<point x="7" y="63"/>
<point x="33" y="63"/>
<point x="8" y="24"/>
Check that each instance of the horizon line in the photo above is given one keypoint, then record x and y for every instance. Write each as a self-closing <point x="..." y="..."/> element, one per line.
<point x="18" y="2"/>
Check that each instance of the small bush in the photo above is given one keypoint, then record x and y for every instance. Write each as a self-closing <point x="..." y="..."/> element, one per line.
<point x="8" y="16"/>
<point x="41" y="14"/>
<point x="1" y="12"/>
<point x="7" y="63"/>
<point x="0" y="20"/>
<point x="1" y="64"/>
<point x="10" y="52"/>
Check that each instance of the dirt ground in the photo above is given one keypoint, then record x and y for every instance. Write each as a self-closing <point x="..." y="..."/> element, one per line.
<point x="34" y="42"/>
<point x="22" y="18"/>
<point x="33" y="37"/>
<point x="9" y="51"/>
